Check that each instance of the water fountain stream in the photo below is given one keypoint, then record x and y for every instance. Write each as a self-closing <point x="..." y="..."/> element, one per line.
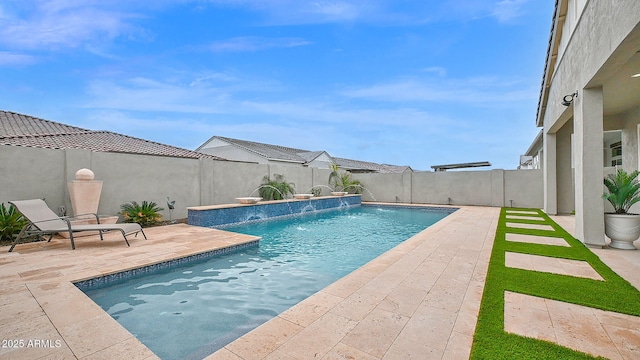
<point x="279" y="192"/>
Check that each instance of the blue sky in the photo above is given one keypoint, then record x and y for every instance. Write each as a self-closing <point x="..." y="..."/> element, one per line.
<point x="403" y="82"/>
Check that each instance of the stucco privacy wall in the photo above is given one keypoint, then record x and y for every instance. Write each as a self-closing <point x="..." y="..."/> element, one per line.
<point x="43" y="173"/>
<point x="522" y="188"/>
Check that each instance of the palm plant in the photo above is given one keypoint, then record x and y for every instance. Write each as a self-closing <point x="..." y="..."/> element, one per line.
<point x="342" y="181"/>
<point x="145" y="214"/>
<point x="276" y="189"/>
<point x="316" y="191"/>
<point x="11" y="222"/>
<point x="623" y="190"/>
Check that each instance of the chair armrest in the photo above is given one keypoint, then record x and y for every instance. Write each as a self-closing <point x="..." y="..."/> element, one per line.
<point x="76" y="216"/>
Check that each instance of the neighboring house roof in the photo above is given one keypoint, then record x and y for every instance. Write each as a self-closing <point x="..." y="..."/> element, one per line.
<point x="364" y="166"/>
<point x="536" y="145"/>
<point x="460" y="165"/>
<point x="272" y="152"/>
<point x="309" y="156"/>
<point x="283" y="153"/>
<point x="24" y="130"/>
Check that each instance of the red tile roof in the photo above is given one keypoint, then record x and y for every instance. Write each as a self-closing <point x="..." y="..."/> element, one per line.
<point x="24" y="130"/>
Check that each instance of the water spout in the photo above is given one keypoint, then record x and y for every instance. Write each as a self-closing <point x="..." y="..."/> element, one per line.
<point x="271" y="187"/>
<point x="320" y="186"/>
<point x="279" y="192"/>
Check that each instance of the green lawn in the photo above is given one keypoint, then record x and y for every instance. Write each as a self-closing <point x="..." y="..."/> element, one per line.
<point x="613" y="294"/>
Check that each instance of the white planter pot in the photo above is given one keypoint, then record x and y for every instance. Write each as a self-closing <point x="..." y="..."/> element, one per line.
<point x="622" y="229"/>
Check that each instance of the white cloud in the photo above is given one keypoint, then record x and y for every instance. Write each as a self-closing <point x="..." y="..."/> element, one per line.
<point x="8" y="58"/>
<point x="438" y="70"/>
<point x="63" y="24"/>
<point x="255" y="43"/>
<point x="478" y="91"/>
<point x="508" y="10"/>
<point x="303" y="12"/>
<point x="222" y="94"/>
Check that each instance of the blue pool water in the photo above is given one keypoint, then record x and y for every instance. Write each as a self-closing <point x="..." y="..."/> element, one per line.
<point x="190" y="311"/>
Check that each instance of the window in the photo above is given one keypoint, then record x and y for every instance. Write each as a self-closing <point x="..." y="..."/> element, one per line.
<point x="616" y="153"/>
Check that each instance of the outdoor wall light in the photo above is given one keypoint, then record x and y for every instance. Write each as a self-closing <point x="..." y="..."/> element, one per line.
<point x="568" y="99"/>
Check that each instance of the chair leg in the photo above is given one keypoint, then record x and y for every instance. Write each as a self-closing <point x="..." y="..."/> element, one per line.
<point x="125" y="238"/>
<point x="20" y="235"/>
<point x="73" y="244"/>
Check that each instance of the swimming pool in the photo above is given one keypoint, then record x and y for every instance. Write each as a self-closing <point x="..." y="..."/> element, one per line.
<point x="191" y="311"/>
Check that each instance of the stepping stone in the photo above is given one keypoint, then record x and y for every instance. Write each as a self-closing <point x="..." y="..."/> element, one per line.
<point x="593" y="331"/>
<point x="531" y="226"/>
<point x="524" y="217"/>
<point x="522" y="212"/>
<point x="542" y="240"/>
<point x="552" y="265"/>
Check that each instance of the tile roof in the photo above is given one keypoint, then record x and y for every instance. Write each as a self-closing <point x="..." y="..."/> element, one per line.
<point x="282" y="153"/>
<point x="24" y="130"/>
<point x="268" y="151"/>
<point x="365" y="166"/>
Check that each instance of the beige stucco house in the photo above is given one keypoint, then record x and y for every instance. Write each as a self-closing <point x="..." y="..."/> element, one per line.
<point x="589" y="107"/>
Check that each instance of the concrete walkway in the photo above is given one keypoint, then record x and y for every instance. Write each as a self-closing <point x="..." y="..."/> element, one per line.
<point x="418" y="300"/>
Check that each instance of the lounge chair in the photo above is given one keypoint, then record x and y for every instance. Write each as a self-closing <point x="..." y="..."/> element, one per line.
<point x="42" y="220"/>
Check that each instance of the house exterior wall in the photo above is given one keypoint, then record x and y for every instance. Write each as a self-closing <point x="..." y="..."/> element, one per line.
<point x="565" y="171"/>
<point x="43" y="173"/>
<point x="591" y="45"/>
<point x="321" y="162"/>
<point x="598" y="37"/>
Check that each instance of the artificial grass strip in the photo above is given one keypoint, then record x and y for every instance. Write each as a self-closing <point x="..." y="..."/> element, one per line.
<point x="612" y="294"/>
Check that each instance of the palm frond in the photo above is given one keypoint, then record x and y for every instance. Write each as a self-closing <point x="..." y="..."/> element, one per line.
<point x="623" y="190"/>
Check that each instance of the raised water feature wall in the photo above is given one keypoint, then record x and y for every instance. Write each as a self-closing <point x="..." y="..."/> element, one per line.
<point x="220" y="215"/>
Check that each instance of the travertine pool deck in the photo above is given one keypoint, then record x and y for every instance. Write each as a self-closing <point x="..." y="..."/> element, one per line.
<point x="418" y="300"/>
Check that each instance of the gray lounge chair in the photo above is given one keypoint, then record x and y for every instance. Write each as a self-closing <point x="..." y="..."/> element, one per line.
<point x="42" y="220"/>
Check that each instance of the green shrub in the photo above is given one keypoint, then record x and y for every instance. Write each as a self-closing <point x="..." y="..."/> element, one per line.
<point x="623" y="190"/>
<point x="342" y="181"/>
<point x="316" y="191"/>
<point x="11" y="222"/>
<point x="276" y="189"/>
<point x="145" y="214"/>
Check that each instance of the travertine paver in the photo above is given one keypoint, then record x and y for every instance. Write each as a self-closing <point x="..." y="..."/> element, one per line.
<point x="594" y="331"/>
<point x="422" y="297"/>
<point x="419" y="300"/>
<point x="625" y="263"/>
<point x="551" y="265"/>
<point x="530" y="226"/>
<point x="522" y="212"/>
<point x="40" y="303"/>
<point x="523" y="217"/>
<point x="542" y="240"/>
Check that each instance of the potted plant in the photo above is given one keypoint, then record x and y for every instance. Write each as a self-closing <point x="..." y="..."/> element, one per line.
<point x="622" y="227"/>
